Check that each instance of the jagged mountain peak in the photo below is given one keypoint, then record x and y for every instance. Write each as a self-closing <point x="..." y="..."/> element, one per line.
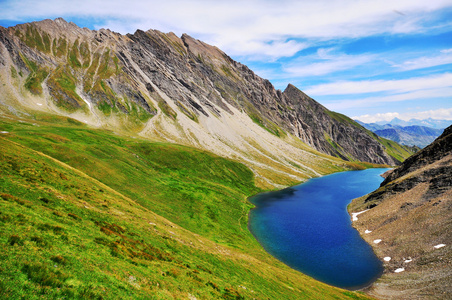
<point x="55" y="28"/>
<point x="176" y="89"/>
<point x="198" y="47"/>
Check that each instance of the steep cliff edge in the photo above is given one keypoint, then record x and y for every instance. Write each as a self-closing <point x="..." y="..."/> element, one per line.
<point x="331" y="132"/>
<point x="410" y="213"/>
<point x="178" y="89"/>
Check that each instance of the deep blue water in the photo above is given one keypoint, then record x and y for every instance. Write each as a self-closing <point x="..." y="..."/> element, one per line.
<point x="308" y="228"/>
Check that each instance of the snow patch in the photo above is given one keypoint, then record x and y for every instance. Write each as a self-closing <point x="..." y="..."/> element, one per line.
<point x="439" y="246"/>
<point x="399" y="270"/>
<point x="377" y="241"/>
<point x="408" y="260"/>
<point x="354" y="215"/>
<point x="368" y="231"/>
<point x="4" y="132"/>
<point x="387" y="258"/>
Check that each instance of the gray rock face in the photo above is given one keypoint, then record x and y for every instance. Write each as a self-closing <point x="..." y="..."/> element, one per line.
<point x="440" y="148"/>
<point x="422" y="164"/>
<point x="141" y="74"/>
<point x="339" y="135"/>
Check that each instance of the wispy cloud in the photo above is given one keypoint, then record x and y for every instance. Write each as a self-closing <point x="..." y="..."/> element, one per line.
<point x="325" y="62"/>
<point x="445" y="57"/>
<point x="258" y="50"/>
<point x="372" y="102"/>
<point x="241" y="27"/>
<point x="439" y="114"/>
<point x="372" y="86"/>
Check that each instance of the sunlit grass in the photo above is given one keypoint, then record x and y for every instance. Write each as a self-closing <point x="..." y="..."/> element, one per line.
<point x="77" y="220"/>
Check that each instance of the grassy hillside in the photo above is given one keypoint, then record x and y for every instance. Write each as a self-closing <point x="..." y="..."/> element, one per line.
<point x="85" y="214"/>
<point x="197" y="190"/>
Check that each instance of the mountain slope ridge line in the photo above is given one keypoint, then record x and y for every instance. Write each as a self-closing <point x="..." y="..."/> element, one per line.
<point x="410" y="213"/>
<point x="77" y="171"/>
<point x="182" y="90"/>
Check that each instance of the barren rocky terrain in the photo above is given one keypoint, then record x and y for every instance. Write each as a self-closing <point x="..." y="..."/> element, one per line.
<point x="410" y="214"/>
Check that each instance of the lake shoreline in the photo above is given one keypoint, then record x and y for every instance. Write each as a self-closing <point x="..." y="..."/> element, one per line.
<point x="272" y="249"/>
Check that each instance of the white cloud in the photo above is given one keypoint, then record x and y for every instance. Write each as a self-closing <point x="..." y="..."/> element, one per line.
<point x="372" y="86"/>
<point x="242" y="27"/>
<point x="377" y="117"/>
<point x="258" y="50"/>
<point x="369" y="102"/>
<point x="328" y="63"/>
<point x="438" y="114"/>
<point x="427" y="61"/>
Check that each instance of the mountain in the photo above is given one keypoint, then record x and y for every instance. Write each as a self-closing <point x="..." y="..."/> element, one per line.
<point x="166" y="88"/>
<point x="410" y="213"/>
<point x="414" y="135"/>
<point x="127" y="161"/>
<point x="432" y="123"/>
<point x="410" y="135"/>
<point x="373" y="126"/>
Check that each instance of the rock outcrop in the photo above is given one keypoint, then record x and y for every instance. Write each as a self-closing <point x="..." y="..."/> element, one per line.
<point x="410" y="213"/>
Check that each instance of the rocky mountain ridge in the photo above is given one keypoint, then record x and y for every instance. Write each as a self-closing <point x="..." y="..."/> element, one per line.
<point x="410" y="214"/>
<point x="163" y="87"/>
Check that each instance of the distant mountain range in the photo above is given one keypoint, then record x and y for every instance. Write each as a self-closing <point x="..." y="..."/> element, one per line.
<point x="432" y="123"/>
<point x="411" y="135"/>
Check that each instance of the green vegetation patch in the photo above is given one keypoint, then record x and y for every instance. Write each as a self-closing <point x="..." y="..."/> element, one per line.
<point x="60" y="47"/>
<point x="35" y="78"/>
<point x="34" y="39"/>
<point x="397" y="151"/>
<point x="138" y="113"/>
<point x="190" y="187"/>
<point x="34" y="81"/>
<point x="37" y="75"/>
<point x="73" y="55"/>
<point x="341" y="118"/>
<point x="268" y="125"/>
<point x="108" y="65"/>
<point x="13" y="72"/>
<point x="62" y="86"/>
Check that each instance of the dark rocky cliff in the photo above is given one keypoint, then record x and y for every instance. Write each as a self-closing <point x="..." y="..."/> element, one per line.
<point x="331" y="132"/>
<point x="436" y="151"/>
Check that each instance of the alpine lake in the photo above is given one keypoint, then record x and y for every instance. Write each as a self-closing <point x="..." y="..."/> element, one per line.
<point x="308" y="228"/>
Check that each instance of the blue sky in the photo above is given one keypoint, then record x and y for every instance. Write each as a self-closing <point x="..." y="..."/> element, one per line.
<point x="372" y="60"/>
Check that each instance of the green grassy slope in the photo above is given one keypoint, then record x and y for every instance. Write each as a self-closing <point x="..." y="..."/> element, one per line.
<point x="197" y="190"/>
<point x="79" y="218"/>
